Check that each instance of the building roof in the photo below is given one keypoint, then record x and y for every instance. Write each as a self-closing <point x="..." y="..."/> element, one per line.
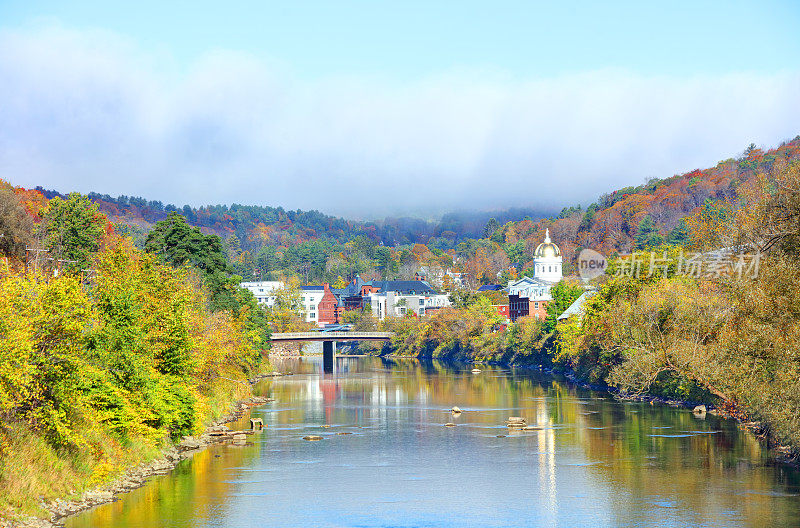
<point x="490" y="287"/>
<point x="312" y="288"/>
<point x="576" y="308"/>
<point x="529" y="280"/>
<point x="411" y="287"/>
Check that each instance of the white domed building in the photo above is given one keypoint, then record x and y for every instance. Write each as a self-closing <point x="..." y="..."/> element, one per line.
<point x="530" y="295"/>
<point x="547" y="261"/>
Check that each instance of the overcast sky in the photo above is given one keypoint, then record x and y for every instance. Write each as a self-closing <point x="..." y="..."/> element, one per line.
<point x="377" y="108"/>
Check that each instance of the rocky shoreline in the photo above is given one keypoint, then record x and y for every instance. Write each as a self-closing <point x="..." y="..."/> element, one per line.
<point x="136" y="477"/>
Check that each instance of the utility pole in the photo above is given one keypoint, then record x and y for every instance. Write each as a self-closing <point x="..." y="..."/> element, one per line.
<point x="36" y="257"/>
<point x="87" y="274"/>
<point x="60" y="264"/>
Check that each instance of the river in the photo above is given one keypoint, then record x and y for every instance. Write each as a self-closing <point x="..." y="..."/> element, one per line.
<point x="387" y="460"/>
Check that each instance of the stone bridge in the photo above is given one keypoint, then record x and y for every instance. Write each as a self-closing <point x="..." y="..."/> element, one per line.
<point x="328" y="339"/>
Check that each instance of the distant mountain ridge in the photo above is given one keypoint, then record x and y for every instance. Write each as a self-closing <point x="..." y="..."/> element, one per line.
<point x="259" y="225"/>
<point x="610" y="224"/>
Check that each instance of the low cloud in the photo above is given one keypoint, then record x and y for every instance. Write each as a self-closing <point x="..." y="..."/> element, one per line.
<point x="89" y="111"/>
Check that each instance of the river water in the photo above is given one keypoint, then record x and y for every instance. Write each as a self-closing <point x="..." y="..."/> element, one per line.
<point x="594" y="462"/>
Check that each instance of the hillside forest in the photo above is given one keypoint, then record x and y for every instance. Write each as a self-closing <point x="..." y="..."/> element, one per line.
<point x="269" y="243"/>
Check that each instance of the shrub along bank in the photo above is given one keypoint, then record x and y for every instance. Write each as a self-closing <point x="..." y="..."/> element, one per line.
<point x="100" y="374"/>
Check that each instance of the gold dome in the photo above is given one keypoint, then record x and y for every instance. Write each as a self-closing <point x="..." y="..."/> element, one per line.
<point x="547" y="249"/>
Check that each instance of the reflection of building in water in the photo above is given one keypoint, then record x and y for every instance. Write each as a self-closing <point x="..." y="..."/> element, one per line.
<point x="547" y="463"/>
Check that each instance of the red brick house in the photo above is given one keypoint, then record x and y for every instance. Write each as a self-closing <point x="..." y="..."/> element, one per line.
<point x="328" y="308"/>
<point x="538" y="309"/>
<point x="502" y="309"/>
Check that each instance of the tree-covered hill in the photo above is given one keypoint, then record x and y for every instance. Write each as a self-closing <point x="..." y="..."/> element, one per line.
<point x="256" y="225"/>
<point x="656" y="211"/>
<point x="487" y="247"/>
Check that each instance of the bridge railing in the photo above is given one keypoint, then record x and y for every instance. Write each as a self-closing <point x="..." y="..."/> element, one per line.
<point x="326" y="336"/>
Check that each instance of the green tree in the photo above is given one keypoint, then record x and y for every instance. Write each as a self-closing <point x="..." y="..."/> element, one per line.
<point x="679" y="235"/>
<point x="647" y="234"/>
<point x="178" y="243"/>
<point x="564" y="293"/>
<point x="233" y="247"/>
<point x="74" y="230"/>
<point x="491" y="226"/>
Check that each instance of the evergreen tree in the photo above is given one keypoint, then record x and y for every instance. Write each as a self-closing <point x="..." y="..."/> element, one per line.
<point x="647" y="235"/>
<point x="679" y="235"/>
<point x="177" y="243"/>
<point x="491" y="226"/>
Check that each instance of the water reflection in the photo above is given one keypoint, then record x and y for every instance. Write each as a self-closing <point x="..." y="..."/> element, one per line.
<point x="591" y="460"/>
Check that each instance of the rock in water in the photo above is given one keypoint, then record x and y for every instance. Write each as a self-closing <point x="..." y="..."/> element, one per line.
<point x="455" y="410"/>
<point x="449" y="424"/>
<point x="312" y="438"/>
<point x="188" y="443"/>
<point x="516" y="421"/>
<point x="476" y="371"/>
<point x="700" y="409"/>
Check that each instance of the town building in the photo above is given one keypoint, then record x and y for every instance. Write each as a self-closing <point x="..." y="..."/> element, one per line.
<point x="328" y="309"/>
<point x="391" y="298"/>
<point x="503" y="310"/>
<point x="547" y="263"/>
<point x="320" y="304"/>
<point x="576" y="309"/>
<point x="310" y="299"/>
<point x="263" y="291"/>
<point x="529" y="296"/>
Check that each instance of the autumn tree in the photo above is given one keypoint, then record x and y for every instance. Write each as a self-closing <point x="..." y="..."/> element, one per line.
<point x="16" y="226"/>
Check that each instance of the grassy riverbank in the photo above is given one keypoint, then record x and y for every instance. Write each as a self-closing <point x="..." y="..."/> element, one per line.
<point x="94" y="379"/>
<point x="108" y="353"/>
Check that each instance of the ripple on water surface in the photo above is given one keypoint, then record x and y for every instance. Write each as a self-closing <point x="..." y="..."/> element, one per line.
<point x="591" y="461"/>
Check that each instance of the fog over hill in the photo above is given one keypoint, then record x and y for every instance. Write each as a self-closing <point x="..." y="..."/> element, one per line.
<point x="95" y="111"/>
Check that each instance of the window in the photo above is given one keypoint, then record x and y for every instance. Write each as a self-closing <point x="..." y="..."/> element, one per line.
<point x="313" y="315"/>
<point x="422" y="302"/>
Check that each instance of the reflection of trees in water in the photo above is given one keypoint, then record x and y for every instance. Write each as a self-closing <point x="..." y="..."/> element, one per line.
<point x="193" y="493"/>
<point x="710" y="475"/>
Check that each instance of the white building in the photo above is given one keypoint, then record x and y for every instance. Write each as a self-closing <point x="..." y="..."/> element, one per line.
<point x="263" y="291"/>
<point x="310" y="298"/>
<point x="547" y="264"/>
<point x="534" y="289"/>
<point x="395" y="304"/>
<point x="397" y="298"/>
<point x="547" y="270"/>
